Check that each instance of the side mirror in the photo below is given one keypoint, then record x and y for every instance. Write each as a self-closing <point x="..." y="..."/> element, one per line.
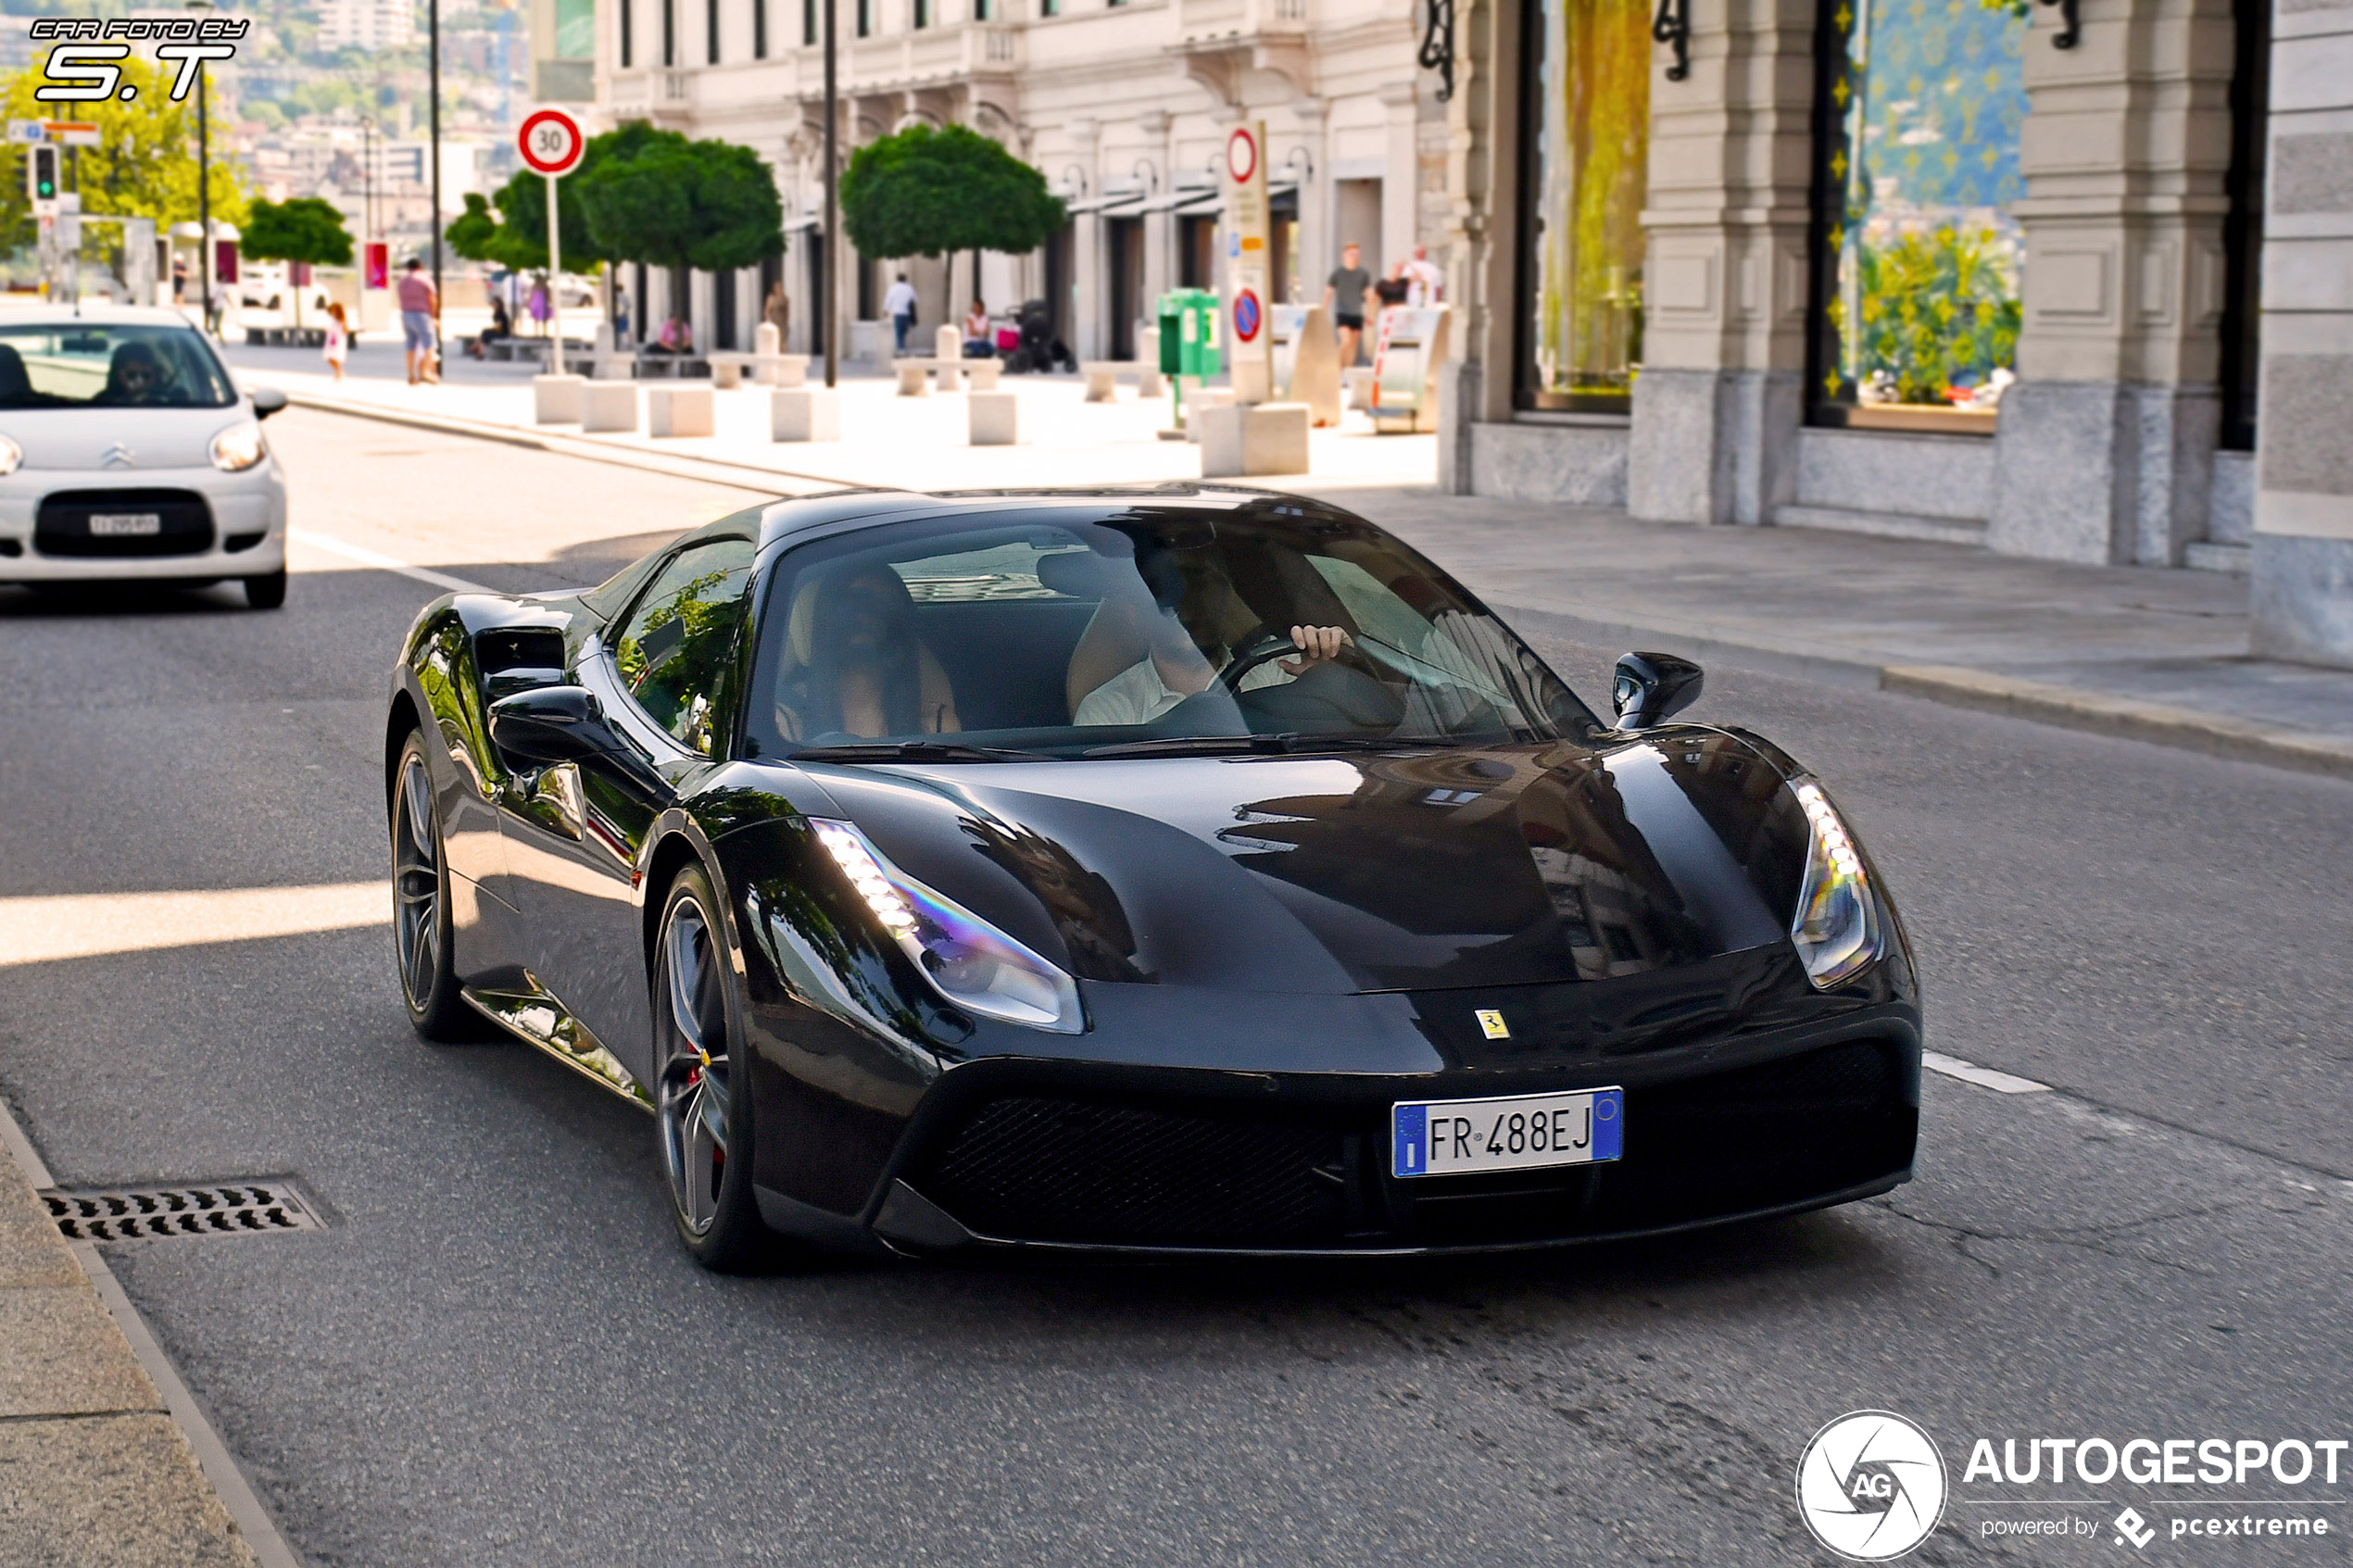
<point x="267" y="400"/>
<point x="551" y="725"/>
<point x="1652" y="688"/>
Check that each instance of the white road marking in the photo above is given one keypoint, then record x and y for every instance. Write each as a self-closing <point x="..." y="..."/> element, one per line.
<point x="48" y="928"/>
<point x="384" y="562"/>
<point x="1983" y="1077"/>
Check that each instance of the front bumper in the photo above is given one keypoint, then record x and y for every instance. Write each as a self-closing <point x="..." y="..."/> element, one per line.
<point x="1155" y="1162"/>
<point x="249" y="517"/>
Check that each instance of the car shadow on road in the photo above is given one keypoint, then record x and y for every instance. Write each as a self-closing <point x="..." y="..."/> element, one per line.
<point x="81" y="600"/>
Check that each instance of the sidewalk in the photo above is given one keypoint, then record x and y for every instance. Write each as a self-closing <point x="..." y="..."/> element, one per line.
<point x="94" y="1467"/>
<point x="2154" y="655"/>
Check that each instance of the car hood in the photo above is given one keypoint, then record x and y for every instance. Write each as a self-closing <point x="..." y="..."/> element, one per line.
<point x="1498" y="866"/>
<point x="83" y="440"/>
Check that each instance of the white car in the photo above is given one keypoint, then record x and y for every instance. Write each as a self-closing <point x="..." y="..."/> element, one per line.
<point x="126" y="451"/>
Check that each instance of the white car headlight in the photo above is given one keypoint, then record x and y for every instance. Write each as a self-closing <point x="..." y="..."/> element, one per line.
<point x="238" y="447"/>
<point x="969" y="961"/>
<point x="11" y="455"/>
<point x="1837" y="931"/>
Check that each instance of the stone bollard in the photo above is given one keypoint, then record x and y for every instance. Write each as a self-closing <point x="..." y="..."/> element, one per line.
<point x="681" y="410"/>
<point x="804" y="413"/>
<point x="609" y="404"/>
<point x="555" y="400"/>
<point x="1240" y="440"/>
<point x="995" y="419"/>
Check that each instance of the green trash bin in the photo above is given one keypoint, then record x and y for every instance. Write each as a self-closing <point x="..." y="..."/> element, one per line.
<point x="1188" y="341"/>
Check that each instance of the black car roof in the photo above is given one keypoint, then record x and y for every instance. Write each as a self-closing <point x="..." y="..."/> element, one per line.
<point x="805" y="516"/>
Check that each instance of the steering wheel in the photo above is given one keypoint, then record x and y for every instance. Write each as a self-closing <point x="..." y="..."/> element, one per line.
<point x="1264" y="644"/>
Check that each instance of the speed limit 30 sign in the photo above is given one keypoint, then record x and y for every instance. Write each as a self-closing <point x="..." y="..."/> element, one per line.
<point x="551" y="142"/>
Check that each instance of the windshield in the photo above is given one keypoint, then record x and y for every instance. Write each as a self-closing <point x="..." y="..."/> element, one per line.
<point x="1136" y="629"/>
<point x="108" y="364"/>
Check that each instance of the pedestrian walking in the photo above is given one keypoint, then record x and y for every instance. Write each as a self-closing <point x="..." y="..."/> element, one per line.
<point x="417" y="303"/>
<point x="338" y="344"/>
<point x="1345" y="295"/>
<point x="777" y="313"/>
<point x="898" y="304"/>
<point x="619" y="312"/>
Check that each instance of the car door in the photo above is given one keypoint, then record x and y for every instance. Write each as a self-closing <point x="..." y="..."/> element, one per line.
<point x="576" y="830"/>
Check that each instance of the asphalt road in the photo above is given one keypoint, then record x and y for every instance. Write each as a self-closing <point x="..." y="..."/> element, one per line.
<point x="497" y="1355"/>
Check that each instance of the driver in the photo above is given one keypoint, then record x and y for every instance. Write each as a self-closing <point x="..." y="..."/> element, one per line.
<point x="134" y="376"/>
<point x="1194" y="608"/>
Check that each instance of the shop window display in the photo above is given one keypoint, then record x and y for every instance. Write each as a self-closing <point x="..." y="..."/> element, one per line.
<point x="1919" y="260"/>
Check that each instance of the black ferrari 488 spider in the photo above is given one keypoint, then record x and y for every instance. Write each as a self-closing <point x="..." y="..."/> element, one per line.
<point x="1158" y="871"/>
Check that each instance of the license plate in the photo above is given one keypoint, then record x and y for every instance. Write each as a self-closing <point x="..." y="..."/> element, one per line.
<point x="117" y="524"/>
<point x="1447" y="1137"/>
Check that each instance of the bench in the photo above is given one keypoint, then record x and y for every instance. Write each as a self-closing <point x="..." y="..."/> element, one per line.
<point x="287" y="337"/>
<point x="1103" y="376"/>
<point x="728" y="367"/>
<point x="652" y="364"/>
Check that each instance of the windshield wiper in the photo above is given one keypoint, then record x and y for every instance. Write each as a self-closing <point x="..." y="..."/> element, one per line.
<point x="1288" y="742"/>
<point x="914" y="751"/>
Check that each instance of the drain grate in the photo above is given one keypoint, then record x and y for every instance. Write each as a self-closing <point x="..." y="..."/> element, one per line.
<point x="215" y="1208"/>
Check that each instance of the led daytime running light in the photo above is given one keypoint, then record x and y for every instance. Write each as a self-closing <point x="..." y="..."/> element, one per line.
<point x="1837" y="931"/>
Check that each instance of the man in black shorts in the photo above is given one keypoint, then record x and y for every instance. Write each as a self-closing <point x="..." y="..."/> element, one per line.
<point x="1344" y="297"/>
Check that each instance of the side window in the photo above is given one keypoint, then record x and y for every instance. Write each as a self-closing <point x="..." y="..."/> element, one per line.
<point x="676" y="648"/>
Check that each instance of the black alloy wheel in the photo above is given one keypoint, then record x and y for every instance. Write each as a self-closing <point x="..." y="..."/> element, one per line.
<point x="702" y="1100"/>
<point x="420" y="919"/>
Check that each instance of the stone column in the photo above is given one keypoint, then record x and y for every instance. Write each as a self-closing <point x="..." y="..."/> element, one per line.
<point x="1400" y="178"/>
<point x="2105" y="445"/>
<point x="2302" y="590"/>
<point x="1315" y="257"/>
<point x="1719" y="398"/>
<point x="1158" y="246"/>
<point x="1086" y="250"/>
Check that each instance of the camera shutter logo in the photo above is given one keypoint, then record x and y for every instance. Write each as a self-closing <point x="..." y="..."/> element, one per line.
<point x="1871" y="1485"/>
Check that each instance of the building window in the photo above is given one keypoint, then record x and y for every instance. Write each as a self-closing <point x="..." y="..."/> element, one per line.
<point x="710" y="31"/>
<point x="1918" y="258"/>
<point x="669" y="32"/>
<point x="1049" y="7"/>
<point x="2243" y="229"/>
<point x="865" y="18"/>
<point x="1585" y="118"/>
<point x="759" y="29"/>
<point x="626" y="8"/>
<point x="809" y="21"/>
<point x="980" y="10"/>
<point x="923" y="13"/>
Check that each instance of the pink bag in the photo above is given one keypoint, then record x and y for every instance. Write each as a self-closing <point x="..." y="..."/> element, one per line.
<point x="1008" y="339"/>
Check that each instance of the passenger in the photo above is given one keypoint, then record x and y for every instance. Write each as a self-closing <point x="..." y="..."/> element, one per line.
<point x="856" y="666"/>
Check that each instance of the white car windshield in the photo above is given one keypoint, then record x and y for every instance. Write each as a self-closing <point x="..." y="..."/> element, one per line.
<point x="109" y="365"/>
<point x="1138" y="630"/>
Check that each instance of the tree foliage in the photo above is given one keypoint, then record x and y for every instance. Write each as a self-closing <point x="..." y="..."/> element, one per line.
<point x="926" y="191"/>
<point x="145" y="165"/>
<point x="305" y="229"/>
<point x="669" y="202"/>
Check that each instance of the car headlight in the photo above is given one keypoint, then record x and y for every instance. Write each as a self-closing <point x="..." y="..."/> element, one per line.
<point x="11" y="455"/>
<point x="1837" y="931"/>
<point x="238" y="447"/>
<point x="967" y="961"/>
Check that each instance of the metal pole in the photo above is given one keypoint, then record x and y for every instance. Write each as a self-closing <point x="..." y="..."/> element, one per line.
<point x="433" y="48"/>
<point x="555" y="271"/>
<point x="204" y="202"/>
<point x="833" y="206"/>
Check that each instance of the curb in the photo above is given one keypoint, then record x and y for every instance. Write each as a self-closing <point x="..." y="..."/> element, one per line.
<point x="683" y="465"/>
<point x="196" y="1498"/>
<point x="2276" y="745"/>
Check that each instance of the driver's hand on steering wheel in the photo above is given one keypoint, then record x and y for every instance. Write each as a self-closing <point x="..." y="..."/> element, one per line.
<point x="1315" y="644"/>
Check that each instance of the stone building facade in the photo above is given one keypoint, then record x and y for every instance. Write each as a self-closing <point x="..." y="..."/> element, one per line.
<point x="1122" y="104"/>
<point x="2066" y="280"/>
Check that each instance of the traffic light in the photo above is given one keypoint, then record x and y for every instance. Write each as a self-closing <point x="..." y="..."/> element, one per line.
<point x="40" y="176"/>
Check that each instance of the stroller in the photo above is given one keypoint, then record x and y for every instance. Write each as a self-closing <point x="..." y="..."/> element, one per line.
<point x="1038" y="349"/>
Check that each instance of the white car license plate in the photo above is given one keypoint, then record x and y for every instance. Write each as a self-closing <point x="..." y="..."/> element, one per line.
<point x="1447" y="1137"/>
<point x="116" y="524"/>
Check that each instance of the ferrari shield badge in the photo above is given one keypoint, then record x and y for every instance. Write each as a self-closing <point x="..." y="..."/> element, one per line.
<point x="1491" y="1022"/>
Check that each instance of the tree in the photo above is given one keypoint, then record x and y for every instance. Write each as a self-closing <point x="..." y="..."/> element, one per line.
<point x="669" y="202"/>
<point x="305" y="229"/>
<point x="926" y="191"/>
<point x="145" y="164"/>
<point x="477" y="235"/>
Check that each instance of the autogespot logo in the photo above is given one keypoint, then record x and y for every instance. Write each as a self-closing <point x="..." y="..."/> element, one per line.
<point x="1871" y="1485"/>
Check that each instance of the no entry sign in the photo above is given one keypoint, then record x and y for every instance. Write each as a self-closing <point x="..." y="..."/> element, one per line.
<point x="551" y="142"/>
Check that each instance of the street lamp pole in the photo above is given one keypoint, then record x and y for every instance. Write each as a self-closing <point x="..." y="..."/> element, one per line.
<point x="433" y="220"/>
<point x="204" y="189"/>
<point x="832" y="204"/>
